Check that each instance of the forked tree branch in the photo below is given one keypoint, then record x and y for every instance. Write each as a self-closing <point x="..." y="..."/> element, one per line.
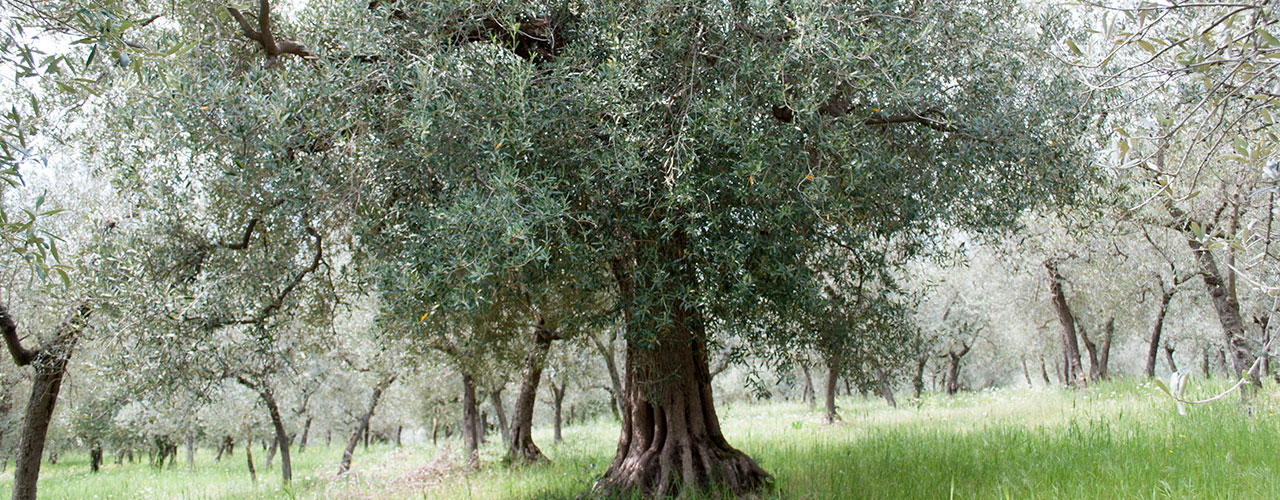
<point x="264" y="36"/>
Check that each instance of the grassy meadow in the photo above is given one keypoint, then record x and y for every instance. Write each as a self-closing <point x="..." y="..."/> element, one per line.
<point x="1115" y="440"/>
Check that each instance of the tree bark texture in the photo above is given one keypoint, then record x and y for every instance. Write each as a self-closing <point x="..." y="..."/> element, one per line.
<point x="671" y="439"/>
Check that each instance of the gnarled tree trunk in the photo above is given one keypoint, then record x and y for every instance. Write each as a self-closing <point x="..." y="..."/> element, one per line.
<point x="1104" y="349"/>
<point x="671" y="437"/>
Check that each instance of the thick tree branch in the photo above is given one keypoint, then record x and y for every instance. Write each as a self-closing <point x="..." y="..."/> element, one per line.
<point x="264" y="36"/>
<point x="21" y="355"/>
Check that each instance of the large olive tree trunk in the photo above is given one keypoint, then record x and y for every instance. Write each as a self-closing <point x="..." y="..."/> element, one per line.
<point x="50" y="365"/>
<point x="671" y="437"/>
<point x="1072" y="372"/>
<point x="521" y="448"/>
<point x="362" y="425"/>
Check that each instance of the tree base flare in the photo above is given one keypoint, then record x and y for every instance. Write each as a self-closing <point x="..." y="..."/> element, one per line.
<point x="681" y="469"/>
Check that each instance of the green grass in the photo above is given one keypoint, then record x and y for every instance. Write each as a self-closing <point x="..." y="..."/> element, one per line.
<point x="1117" y="440"/>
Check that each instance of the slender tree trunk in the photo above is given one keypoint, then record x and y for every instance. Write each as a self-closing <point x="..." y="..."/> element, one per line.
<point x="1168" y="357"/>
<point x="495" y="398"/>
<point x="917" y="382"/>
<point x="248" y="457"/>
<point x="1204" y="362"/>
<point x="191" y="450"/>
<point x="886" y="386"/>
<point x="832" y="388"/>
<point x="807" y="393"/>
<point x="1266" y="339"/>
<point x="1044" y="373"/>
<point x="1094" y="368"/>
<point x="615" y="380"/>
<point x="1224" y="302"/>
<point x="1222" y="364"/>
<point x="1026" y="373"/>
<point x="271" y="452"/>
<point x="1072" y="371"/>
<point x="557" y="402"/>
<point x="470" y="420"/>
<point x="1104" y="349"/>
<point x="281" y="439"/>
<point x="1156" y="331"/>
<point x="222" y="448"/>
<point x="95" y="457"/>
<point x="306" y="431"/>
<point x="362" y="425"/>
<point x="671" y="437"/>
